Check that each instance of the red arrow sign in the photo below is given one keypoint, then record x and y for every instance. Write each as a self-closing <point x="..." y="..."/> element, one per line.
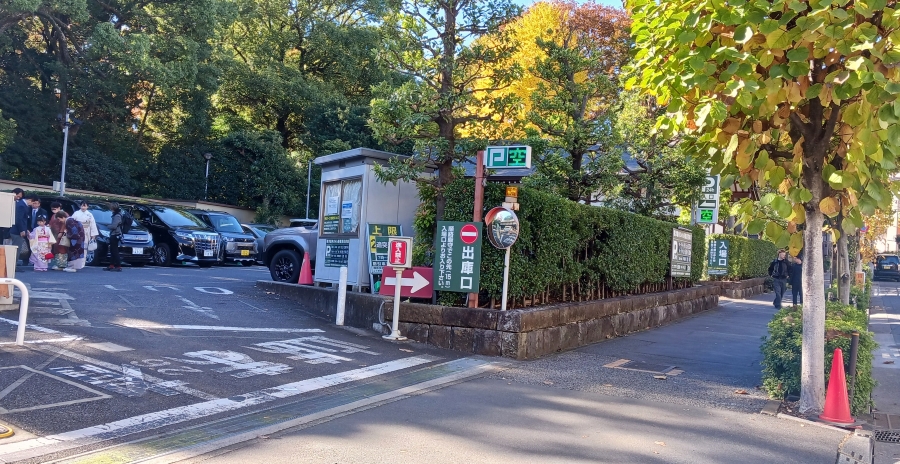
<point x="415" y="283"/>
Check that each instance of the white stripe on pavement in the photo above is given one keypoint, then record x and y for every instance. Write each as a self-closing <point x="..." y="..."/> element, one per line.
<point x="31" y="326"/>
<point x="27" y="449"/>
<point x="49" y="340"/>
<point x="220" y="328"/>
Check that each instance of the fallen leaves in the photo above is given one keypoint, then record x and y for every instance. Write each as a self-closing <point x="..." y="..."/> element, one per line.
<point x="889" y="362"/>
<point x="405" y="350"/>
<point x="660" y="377"/>
<point x="660" y="443"/>
<point x="741" y="392"/>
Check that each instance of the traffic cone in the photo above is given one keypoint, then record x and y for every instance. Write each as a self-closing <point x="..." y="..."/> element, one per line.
<point x="837" y="404"/>
<point x="305" y="272"/>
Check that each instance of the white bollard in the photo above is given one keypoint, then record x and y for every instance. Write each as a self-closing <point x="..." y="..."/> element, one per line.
<point x="23" y="307"/>
<point x="342" y="296"/>
<point x="395" y="327"/>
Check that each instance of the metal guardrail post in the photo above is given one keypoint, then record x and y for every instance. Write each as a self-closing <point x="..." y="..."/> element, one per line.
<point x="23" y="307"/>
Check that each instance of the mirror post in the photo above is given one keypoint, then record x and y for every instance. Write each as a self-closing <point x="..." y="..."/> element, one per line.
<point x="505" y="279"/>
<point x="479" y="206"/>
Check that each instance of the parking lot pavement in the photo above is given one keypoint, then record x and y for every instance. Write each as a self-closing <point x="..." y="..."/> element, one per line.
<point x="113" y="357"/>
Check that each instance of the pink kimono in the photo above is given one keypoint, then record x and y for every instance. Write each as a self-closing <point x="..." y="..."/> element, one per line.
<point x="41" y="239"/>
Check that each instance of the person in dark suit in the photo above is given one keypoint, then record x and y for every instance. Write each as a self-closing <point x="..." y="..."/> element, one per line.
<point x="19" y="230"/>
<point x="34" y="212"/>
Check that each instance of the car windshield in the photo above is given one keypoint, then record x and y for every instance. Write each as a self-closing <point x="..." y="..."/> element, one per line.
<point x="225" y="223"/>
<point x="262" y="230"/>
<point x="176" y="218"/>
<point x="888" y="260"/>
<point x="103" y="215"/>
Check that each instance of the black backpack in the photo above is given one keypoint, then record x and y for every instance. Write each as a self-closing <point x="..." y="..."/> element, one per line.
<point x="127" y="220"/>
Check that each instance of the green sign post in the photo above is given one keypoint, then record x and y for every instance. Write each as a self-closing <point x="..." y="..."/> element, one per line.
<point x="516" y="156"/>
<point x="718" y="257"/>
<point x="378" y="245"/>
<point x="708" y="206"/>
<point x="457" y="260"/>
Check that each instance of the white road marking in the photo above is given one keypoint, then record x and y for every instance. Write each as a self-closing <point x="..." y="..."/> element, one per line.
<point x="126" y="301"/>
<point x="221" y="291"/>
<point x="174" y="385"/>
<point x="36" y="328"/>
<point x="250" y="305"/>
<point x="48" y="340"/>
<point x="7" y="390"/>
<point x="204" y="310"/>
<point x="45" y="295"/>
<point x="129" y="382"/>
<point x="235" y="361"/>
<point x="109" y="347"/>
<point x="35" y="447"/>
<point x="153" y="288"/>
<point x="221" y="328"/>
<point x="308" y="350"/>
<point x="111" y="287"/>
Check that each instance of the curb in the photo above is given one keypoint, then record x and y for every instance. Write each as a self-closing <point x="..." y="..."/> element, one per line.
<point x="857" y="448"/>
<point x="782" y="415"/>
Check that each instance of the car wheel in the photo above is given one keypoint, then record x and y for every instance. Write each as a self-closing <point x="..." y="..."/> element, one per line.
<point x="92" y="258"/>
<point x="162" y="255"/>
<point x="285" y="266"/>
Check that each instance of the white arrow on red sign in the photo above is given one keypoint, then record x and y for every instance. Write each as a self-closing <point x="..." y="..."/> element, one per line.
<point x="417" y="282"/>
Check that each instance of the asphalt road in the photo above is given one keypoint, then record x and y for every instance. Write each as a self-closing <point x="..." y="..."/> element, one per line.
<point x="113" y="357"/>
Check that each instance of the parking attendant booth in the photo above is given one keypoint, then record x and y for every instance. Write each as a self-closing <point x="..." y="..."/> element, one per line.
<point x="354" y="203"/>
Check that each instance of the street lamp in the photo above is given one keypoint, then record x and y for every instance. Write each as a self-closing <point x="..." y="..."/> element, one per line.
<point x="67" y="122"/>
<point x="208" y="157"/>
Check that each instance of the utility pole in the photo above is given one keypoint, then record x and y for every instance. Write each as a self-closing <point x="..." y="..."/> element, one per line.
<point x="67" y="122"/>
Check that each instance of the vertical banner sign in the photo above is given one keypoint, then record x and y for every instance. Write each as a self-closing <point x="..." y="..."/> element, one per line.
<point x="682" y="240"/>
<point x="457" y="260"/>
<point x="708" y="206"/>
<point x="378" y="245"/>
<point x="718" y="257"/>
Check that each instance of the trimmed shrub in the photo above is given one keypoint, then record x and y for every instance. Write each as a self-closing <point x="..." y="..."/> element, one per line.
<point x="782" y="347"/>
<point x="748" y="258"/>
<point x="565" y="250"/>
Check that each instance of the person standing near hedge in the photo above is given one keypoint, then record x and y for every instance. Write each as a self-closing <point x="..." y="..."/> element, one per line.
<point x="797" y="279"/>
<point x="779" y="269"/>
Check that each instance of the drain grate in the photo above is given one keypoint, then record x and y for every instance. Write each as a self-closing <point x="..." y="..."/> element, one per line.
<point x="641" y="366"/>
<point x="887" y="436"/>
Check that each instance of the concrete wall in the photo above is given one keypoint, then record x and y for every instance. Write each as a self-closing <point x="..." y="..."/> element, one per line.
<point x="361" y="310"/>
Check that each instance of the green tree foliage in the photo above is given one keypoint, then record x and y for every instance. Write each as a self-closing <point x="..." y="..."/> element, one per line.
<point x="801" y="96"/>
<point x="748" y="258"/>
<point x="7" y="131"/>
<point x="452" y="87"/>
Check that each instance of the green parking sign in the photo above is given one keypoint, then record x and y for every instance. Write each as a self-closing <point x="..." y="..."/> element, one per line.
<point x="515" y="156"/>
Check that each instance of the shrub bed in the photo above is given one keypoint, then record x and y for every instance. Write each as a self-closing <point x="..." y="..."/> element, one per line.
<point x="748" y="258"/>
<point x="566" y="251"/>
<point x="782" y="347"/>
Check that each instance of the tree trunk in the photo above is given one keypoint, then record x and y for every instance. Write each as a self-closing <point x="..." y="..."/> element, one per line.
<point x="843" y="266"/>
<point x="812" y="372"/>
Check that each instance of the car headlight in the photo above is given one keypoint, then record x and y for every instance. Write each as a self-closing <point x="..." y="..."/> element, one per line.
<point x="184" y="236"/>
<point x="228" y="239"/>
<point x="104" y="233"/>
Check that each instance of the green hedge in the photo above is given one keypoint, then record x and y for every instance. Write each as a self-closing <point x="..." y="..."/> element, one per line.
<point x="782" y="347"/>
<point x="749" y="258"/>
<point x="563" y="246"/>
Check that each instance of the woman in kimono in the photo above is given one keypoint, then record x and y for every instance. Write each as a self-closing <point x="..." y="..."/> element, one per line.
<point x="61" y="248"/>
<point x="75" y="232"/>
<point x="90" y="225"/>
<point x="41" y="240"/>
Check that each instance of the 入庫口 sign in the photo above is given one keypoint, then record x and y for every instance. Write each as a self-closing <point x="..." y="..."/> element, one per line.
<point x="682" y="242"/>
<point x="718" y="257"/>
<point x="457" y="261"/>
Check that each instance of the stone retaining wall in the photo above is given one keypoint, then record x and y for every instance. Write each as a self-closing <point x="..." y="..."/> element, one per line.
<point x="533" y="332"/>
<point x="742" y="289"/>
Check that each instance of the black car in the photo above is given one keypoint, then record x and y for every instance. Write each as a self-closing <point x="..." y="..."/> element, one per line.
<point x="179" y="236"/>
<point x="240" y="247"/>
<point x="135" y="248"/>
<point x="887" y="267"/>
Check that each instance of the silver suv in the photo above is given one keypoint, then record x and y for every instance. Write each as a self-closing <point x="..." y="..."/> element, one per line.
<point x="284" y="250"/>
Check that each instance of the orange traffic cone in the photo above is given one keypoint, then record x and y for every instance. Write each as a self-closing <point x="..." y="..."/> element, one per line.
<point x="306" y="273"/>
<point x="837" y="404"/>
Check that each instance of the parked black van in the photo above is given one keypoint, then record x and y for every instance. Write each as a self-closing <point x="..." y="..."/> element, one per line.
<point x="240" y="247"/>
<point x="135" y="248"/>
<point x="179" y="236"/>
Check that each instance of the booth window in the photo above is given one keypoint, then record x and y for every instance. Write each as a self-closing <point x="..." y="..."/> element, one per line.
<point x="342" y="207"/>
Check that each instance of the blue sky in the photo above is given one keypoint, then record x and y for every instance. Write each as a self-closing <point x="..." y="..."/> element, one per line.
<point x="527" y="3"/>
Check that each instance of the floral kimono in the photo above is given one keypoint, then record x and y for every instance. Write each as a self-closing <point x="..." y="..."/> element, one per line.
<point x="61" y="252"/>
<point x="75" y="232"/>
<point x="41" y="238"/>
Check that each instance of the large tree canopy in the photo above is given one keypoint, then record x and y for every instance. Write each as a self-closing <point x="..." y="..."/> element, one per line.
<point x="800" y="96"/>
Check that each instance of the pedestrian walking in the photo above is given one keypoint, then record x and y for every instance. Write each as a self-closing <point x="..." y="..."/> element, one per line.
<point x="19" y="230"/>
<point x="115" y="236"/>
<point x="779" y="269"/>
<point x="41" y="240"/>
<point x="61" y="248"/>
<point x="75" y="233"/>
<point x="796" y="279"/>
<point x="90" y="227"/>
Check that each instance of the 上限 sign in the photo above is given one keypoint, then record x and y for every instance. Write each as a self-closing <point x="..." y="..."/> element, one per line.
<point x="378" y="245"/>
<point x="457" y="260"/>
<point x="682" y="242"/>
<point x="708" y="206"/>
<point x="337" y="253"/>
<point x="516" y="156"/>
<point x="718" y="257"/>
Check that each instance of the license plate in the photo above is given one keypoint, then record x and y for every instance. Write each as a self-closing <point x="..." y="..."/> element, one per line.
<point x="137" y="251"/>
<point x="245" y="252"/>
<point x="886" y="266"/>
<point x="207" y="252"/>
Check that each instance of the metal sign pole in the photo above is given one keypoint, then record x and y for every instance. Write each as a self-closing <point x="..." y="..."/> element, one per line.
<point x="395" y="326"/>
<point x="505" y="280"/>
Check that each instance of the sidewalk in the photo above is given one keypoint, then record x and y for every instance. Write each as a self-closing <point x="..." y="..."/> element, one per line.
<point x="686" y="392"/>
<point x="884" y="321"/>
